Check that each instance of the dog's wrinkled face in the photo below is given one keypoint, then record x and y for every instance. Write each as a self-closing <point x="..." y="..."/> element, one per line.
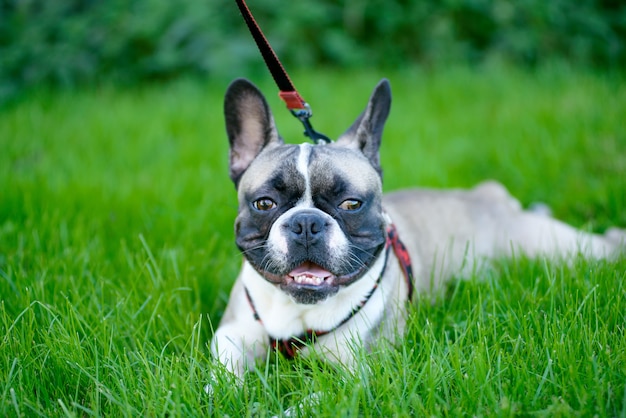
<point x="313" y="222"/>
<point x="310" y="219"/>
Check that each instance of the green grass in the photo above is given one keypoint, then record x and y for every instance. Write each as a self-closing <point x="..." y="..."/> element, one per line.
<point x="117" y="254"/>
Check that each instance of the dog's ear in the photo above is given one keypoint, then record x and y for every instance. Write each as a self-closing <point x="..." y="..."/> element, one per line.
<point x="249" y="124"/>
<point x="366" y="132"/>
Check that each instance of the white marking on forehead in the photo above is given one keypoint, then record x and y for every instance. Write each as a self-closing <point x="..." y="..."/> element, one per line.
<point x="303" y="167"/>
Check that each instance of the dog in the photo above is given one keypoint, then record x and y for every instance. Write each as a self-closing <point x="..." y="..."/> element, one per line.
<point x="329" y="260"/>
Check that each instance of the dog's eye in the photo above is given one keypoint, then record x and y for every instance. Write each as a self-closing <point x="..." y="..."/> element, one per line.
<point x="350" y="205"/>
<point x="264" y="204"/>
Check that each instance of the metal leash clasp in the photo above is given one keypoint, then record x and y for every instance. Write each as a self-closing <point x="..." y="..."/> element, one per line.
<point x="287" y="91"/>
<point x="303" y="115"/>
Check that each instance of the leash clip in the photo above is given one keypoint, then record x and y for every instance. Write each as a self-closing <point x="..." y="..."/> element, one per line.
<point x="301" y="110"/>
<point x="287" y="92"/>
<point x="303" y="116"/>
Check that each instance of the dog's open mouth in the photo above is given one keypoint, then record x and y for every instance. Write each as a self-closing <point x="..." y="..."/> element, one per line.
<point x="310" y="283"/>
<point x="310" y="274"/>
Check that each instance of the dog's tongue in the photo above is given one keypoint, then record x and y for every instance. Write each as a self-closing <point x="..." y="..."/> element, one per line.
<point x="309" y="273"/>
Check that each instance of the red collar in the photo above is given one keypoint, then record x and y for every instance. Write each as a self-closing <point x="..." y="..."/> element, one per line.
<point x="290" y="347"/>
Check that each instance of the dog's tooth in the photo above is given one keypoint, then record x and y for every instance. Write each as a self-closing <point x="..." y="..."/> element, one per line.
<point x="304" y="279"/>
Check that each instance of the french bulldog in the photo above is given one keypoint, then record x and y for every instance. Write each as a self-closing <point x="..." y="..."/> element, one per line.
<point x="330" y="261"/>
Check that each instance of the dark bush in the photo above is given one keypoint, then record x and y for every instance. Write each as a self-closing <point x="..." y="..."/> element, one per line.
<point x="67" y="42"/>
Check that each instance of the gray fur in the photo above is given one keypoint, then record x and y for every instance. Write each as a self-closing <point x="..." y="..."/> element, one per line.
<point x="447" y="233"/>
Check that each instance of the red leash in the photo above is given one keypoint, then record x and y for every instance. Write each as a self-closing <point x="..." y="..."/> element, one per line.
<point x="288" y="93"/>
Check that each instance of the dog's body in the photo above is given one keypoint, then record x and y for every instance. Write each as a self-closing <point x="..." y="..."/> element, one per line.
<point x="316" y="233"/>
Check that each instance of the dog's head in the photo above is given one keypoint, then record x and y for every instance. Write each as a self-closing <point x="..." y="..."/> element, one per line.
<point x="310" y="219"/>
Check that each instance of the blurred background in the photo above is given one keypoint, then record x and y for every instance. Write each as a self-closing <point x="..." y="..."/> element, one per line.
<point x="74" y="42"/>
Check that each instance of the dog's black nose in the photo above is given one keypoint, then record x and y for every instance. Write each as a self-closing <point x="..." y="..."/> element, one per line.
<point x="306" y="227"/>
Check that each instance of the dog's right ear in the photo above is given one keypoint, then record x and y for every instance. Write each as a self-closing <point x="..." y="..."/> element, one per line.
<point x="366" y="132"/>
<point x="249" y="124"/>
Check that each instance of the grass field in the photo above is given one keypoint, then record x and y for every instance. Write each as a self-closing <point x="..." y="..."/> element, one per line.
<point x="117" y="254"/>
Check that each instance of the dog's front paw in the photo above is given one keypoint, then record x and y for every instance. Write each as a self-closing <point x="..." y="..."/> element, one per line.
<point x="617" y="237"/>
<point x="541" y="209"/>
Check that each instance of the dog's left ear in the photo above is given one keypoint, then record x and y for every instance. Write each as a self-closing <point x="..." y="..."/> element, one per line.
<point x="366" y="132"/>
<point x="249" y="124"/>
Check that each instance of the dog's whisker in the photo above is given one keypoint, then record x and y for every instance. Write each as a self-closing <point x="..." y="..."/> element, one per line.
<point x="250" y="250"/>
